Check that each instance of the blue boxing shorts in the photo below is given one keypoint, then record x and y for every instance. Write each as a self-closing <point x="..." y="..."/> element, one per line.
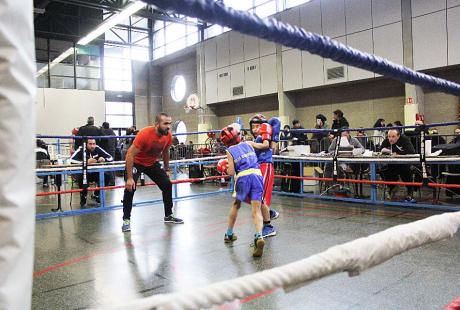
<point x="249" y="187"/>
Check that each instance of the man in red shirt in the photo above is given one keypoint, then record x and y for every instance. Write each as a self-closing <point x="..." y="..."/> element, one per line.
<point x="150" y="144"/>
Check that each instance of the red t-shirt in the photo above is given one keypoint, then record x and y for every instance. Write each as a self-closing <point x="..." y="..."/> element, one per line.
<point x="151" y="146"/>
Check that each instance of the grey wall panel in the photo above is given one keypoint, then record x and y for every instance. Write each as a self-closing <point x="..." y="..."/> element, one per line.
<point x="333" y="18"/>
<point x="385" y="12"/>
<point x="223" y="50"/>
<point x="451" y="3"/>
<point x="251" y="47"/>
<point x="268" y="81"/>
<point x="310" y="16"/>
<point x="363" y="42"/>
<point x="210" y="59"/>
<point x="421" y="7"/>
<point x="211" y="86"/>
<point x="332" y="65"/>
<point x="291" y="17"/>
<point x="358" y="15"/>
<point x="236" y="47"/>
<point x="453" y="35"/>
<point x="252" y="78"/>
<point x="266" y="47"/>
<point x="312" y="70"/>
<point x="430" y="41"/>
<point x="388" y="42"/>
<point x="237" y="79"/>
<point x="292" y="69"/>
<point x="223" y="84"/>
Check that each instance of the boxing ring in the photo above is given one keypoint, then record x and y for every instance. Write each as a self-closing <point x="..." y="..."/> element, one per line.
<point x="16" y="180"/>
<point x="303" y="161"/>
<point x="333" y="158"/>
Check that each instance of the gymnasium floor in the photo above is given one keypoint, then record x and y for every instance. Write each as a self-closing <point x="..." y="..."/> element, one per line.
<point x="86" y="261"/>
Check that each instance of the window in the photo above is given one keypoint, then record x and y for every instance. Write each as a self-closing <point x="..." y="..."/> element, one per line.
<point x="180" y="127"/>
<point x="62" y="73"/>
<point x="292" y="3"/>
<point x="178" y="88"/>
<point x="139" y="53"/>
<point x="117" y="68"/>
<point x="239" y="5"/>
<point x="119" y="114"/>
<point x="212" y="31"/>
<point x="170" y="37"/>
<point x="265" y="10"/>
<point x="88" y="67"/>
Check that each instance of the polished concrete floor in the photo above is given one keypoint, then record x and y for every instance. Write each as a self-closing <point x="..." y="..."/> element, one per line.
<point x="86" y="261"/>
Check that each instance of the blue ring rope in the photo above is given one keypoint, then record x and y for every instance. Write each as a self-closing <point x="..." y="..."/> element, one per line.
<point x="292" y="36"/>
<point x="247" y="129"/>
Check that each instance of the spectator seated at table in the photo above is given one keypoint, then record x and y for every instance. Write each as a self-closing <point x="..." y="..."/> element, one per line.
<point x="94" y="154"/>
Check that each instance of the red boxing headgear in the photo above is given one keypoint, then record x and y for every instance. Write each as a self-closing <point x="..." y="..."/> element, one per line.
<point x="256" y="119"/>
<point x="230" y="136"/>
<point x="211" y="135"/>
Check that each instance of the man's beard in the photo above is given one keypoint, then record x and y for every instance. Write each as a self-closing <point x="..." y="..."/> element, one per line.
<point x="163" y="132"/>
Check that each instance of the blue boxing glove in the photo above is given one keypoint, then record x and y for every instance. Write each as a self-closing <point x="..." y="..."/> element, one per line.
<point x="276" y="127"/>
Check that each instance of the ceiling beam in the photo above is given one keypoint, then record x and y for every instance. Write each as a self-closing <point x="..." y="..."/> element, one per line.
<point x="150" y="13"/>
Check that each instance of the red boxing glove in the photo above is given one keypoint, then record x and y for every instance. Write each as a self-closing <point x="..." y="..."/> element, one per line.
<point x="265" y="131"/>
<point x="222" y="166"/>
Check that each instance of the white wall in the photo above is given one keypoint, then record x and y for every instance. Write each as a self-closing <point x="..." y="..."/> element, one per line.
<point x="372" y="26"/>
<point x="60" y="110"/>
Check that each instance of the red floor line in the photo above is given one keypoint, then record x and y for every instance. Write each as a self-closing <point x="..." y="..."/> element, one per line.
<point x="116" y="249"/>
<point x="235" y="304"/>
<point x="257" y="295"/>
<point x="63" y="264"/>
<point x="454" y="305"/>
<point x="90" y="256"/>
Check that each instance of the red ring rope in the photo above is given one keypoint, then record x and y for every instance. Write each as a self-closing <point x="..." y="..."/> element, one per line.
<point x="419" y="184"/>
<point x="91" y="189"/>
<point x="193" y="180"/>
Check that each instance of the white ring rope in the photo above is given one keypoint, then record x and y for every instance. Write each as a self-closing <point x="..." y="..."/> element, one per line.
<point x="353" y="257"/>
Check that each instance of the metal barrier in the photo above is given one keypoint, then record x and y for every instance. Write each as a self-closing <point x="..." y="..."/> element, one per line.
<point x="60" y="173"/>
<point x="373" y="181"/>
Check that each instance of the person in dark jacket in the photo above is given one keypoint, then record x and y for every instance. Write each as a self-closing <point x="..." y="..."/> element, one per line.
<point x="94" y="154"/>
<point x="456" y="139"/>
<point x="87" y="130"/>
<point x="126" y="142"/>
<point x="397" y="144"/>
<point x="339" y="121"/>
<point x="110" y="146"/>
<point x="43" y="157"/>
<point x="285" y="136"/>
<point x="319" y="141"/>
<point x="298" y="138"/>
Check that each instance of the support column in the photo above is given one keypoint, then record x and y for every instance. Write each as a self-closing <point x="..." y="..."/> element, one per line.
<point x="414" y="99"/>
<point x="286" y="107"/>
<point x="17" y="159"/>
<point x="207" y="119"/>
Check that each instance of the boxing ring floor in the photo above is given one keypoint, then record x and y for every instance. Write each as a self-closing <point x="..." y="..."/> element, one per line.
<point x="86" y="261"/>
